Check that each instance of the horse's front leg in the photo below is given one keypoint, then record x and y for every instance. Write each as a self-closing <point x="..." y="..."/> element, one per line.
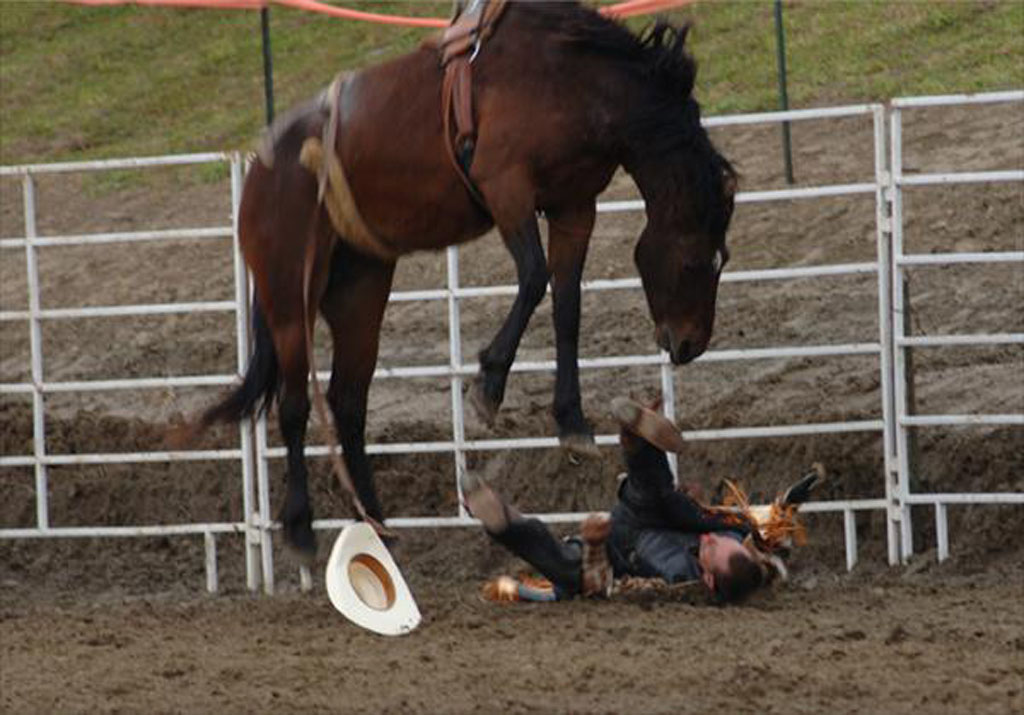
<point x="523" y="242"/>
<point x="569" y="236"/>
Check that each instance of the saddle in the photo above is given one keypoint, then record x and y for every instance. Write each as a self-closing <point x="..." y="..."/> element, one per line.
<point x="459" y="45"/>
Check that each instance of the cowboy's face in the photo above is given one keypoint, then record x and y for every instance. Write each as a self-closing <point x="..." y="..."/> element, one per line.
<point x="713" y="555"/>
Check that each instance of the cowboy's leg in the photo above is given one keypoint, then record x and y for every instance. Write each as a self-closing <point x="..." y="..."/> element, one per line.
<point x="645" y="435"/>
<point x="558" y="561"/>
<point x="650" y="491"/>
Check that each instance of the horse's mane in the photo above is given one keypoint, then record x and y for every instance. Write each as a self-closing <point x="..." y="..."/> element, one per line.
<point x="658" y="53"/>
<point x="658" y="57"/>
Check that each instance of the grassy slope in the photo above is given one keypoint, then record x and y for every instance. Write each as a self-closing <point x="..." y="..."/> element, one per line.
<point x="78" y="82"/>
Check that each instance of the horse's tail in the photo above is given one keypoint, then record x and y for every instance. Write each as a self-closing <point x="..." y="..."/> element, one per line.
<point x="259" y="387"/>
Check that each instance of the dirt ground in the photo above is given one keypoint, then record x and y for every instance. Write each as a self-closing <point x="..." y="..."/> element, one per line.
<point x="888" y="644"/>
<point x="124" y="625"/>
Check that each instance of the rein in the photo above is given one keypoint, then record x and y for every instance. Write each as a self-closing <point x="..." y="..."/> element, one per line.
<point x="334" y="194"/>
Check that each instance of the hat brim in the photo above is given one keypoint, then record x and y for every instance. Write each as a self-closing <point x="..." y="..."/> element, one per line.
<point x="365" y="585"/>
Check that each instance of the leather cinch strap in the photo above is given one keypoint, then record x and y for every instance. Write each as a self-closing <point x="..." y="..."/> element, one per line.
<point x="333" y="189"/>
<point x="459" y="46"/>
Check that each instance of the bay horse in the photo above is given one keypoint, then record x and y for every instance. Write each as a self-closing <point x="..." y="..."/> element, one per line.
<point x="562" y="97"/>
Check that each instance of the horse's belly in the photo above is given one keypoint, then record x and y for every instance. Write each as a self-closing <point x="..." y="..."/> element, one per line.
<point x="416" y="216"/>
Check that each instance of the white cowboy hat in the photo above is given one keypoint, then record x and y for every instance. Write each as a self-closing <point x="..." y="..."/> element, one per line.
<point x="365" y="585"/>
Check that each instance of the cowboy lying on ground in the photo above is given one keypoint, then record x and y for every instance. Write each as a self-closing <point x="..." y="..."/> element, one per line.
<point x="654" y="531"/>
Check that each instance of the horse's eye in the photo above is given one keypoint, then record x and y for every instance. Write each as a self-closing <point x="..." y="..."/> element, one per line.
<point x="718" y="262"/>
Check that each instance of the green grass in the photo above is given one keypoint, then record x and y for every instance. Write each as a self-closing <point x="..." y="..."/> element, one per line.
<point x="856" y="51"/>
<point x="81" y="82"/>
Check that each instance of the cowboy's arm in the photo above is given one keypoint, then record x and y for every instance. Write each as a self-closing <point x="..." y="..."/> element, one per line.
<point x="687" y="514"/>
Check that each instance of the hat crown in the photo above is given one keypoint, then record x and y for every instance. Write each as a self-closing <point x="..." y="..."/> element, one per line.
<point x="371" y="582"/>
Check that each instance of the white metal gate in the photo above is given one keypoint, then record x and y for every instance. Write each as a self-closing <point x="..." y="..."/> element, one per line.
<point x="253" y="453"/>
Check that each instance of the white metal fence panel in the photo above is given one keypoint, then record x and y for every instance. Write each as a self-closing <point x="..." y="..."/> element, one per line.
<point x="253" y="452"/>
<point x="899" y="513"/>
<point x="39" y="387"/>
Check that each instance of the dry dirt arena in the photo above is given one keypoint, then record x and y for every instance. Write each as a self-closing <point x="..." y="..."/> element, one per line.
<point x="125" y="625"/>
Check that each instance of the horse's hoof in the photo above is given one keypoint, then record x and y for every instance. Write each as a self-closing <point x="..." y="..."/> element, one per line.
<point x="300" y="543"/>
<point x="388" y="536"/>
<point x="301" y="557"/>
<point x="485" y="408"/>
<point x="579" y="445"/>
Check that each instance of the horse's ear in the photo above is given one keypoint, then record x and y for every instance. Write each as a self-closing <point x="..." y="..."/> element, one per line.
<point x="683" y="33"/>
<point x="688" y="74"/>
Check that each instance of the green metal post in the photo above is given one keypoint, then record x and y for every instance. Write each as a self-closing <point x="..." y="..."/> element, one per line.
<point x="780" y="55"/>
<point x="268" y="64"/>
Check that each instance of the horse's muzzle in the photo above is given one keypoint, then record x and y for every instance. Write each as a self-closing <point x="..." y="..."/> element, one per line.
<point x="680" y="351"/>
<point x="683" y="353"/>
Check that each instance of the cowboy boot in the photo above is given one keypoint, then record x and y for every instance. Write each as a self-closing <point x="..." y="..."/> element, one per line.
<point x="483" y="504"/>
<point x="647" y="424"/>
<point x="800" y="491"/>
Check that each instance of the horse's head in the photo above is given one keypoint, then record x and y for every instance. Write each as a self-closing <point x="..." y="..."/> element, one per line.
<point x="689" y="190"/>
<point x="680" y="258"/>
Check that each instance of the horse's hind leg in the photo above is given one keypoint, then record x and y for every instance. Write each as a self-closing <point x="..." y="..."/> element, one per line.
<point x="278" y="219"/>
<point x="288" y="326"/>
<point x="353" y="306"/>
<point x="293" y="413"/>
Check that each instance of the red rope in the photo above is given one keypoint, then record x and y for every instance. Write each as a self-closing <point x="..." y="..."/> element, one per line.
<point x="348" y="14"/>
<point x="215" y="4"/>
<point x="628" y="8"/>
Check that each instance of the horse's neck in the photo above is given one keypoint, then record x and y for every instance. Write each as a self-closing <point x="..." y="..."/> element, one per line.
<point x="658" y="177"/>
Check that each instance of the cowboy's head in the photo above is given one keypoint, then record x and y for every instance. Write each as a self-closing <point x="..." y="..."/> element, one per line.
<point x="728" y="568"/>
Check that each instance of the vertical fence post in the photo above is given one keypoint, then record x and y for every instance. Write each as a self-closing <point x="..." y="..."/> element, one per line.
<point x="898" y="508"/>
<point x="911" y="391"/>
<point x="210" y="543"/>
<point x="305" y="579"/>
<point x="941" y="532"/>
<point x="36" y="347"/>
<point x="850" y="537"/>
<point x="885" y="226"/>
<point x="668" y="406"/>
<point x="261" y="515"/>
<point x="455" y="363"/>
<point x="263" y="492"/>
<point x="246" y="441"/>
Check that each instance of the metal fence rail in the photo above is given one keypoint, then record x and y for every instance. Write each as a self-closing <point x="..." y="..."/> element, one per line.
<point x="253" y="452"/>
